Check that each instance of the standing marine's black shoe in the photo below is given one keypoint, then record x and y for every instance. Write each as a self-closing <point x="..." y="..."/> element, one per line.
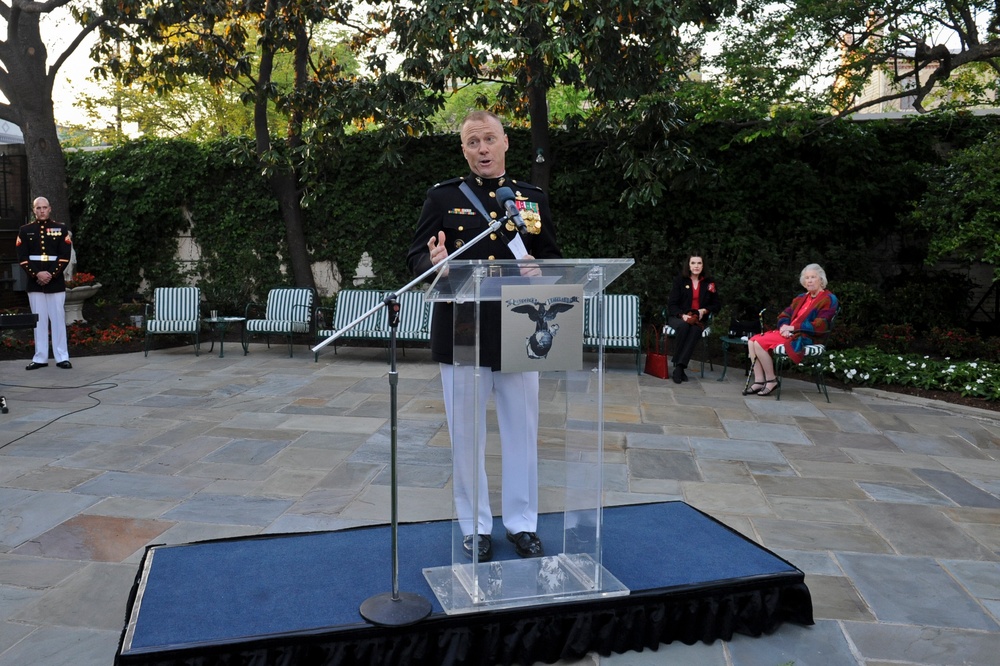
<point x="65" y="365"/>
<point x="485" y="547"/>
<point x="35" y="366"/>
<point x="527" y="544"/>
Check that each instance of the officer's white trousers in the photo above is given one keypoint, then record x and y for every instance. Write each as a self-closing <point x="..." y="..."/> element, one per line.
<point x="50" y="310"/>
<point x="516" y="398"/>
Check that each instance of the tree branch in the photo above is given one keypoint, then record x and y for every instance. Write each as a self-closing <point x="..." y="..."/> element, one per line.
<point x="874" y="102"/>
<point x="94" y="24"/>
<point x="29" y="7"/>
<point x="971" y="32"/>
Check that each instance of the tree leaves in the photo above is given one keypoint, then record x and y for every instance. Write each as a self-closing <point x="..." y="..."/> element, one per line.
<point x="849" y="55"/>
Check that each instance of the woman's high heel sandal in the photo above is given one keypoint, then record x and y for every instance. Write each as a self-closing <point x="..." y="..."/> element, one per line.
<point x="768" y="389"/>
<point x="750" y="390"/>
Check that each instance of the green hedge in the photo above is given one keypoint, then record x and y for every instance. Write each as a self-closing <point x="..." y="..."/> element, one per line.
<point x="836" y="195"/>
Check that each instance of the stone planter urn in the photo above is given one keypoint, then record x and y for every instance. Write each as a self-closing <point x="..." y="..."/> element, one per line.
<point x="74" y="301"/>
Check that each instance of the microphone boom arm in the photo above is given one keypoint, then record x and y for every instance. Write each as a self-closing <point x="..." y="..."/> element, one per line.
<point x="493" y="226"/>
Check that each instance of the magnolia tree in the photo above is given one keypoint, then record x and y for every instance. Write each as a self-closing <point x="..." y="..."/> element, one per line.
<point x="626" y="56"/>
<point x="161" y="45"/>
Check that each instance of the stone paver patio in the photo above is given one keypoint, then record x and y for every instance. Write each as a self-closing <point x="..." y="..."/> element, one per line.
<point x="890" y="505"/>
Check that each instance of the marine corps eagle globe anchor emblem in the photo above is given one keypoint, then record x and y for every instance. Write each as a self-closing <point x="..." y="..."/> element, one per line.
<point x="538" y="344"/>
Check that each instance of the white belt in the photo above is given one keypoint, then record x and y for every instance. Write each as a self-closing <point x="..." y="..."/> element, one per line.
<point x="43" y="257"/>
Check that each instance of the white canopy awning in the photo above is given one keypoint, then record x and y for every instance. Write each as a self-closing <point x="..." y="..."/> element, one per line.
<point x="10" y="133"/>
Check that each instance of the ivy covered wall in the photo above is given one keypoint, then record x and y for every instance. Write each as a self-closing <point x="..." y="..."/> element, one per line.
<point x="759" y="211"/>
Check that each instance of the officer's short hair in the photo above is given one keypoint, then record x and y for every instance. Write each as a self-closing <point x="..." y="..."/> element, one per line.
<point x="479" y="115"/>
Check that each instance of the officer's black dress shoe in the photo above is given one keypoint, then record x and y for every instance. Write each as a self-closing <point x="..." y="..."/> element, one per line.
<point x="485" y="547"/>
<point x="684" y="376"/>
<point x="676" y="375"/>
<point x="65" y="365"/>
<point x="35" y="366"/>
<point x="527" y="544"/>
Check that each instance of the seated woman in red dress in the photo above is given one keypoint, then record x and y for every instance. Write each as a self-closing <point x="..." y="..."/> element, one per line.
<point x="803" y="322"/>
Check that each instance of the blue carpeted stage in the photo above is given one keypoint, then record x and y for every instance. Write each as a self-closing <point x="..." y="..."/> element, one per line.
<point x="294" y="598"/>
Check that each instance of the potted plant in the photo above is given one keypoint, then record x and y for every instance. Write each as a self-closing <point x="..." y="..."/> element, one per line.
<point x="79" y="287"/>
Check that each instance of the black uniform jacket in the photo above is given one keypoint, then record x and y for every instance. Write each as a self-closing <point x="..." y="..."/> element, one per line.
<point x="448" y="209"/>
<point x="44" y="246"/>
<point x="681" y="294"/>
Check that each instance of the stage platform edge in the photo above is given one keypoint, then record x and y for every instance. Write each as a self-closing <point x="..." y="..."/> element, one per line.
<point x="295" y="598"/>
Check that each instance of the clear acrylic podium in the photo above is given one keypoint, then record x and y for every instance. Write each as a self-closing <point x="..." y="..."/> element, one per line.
<point x="542" y="307"/>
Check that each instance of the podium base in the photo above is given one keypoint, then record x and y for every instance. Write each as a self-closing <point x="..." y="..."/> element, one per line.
<point x="522" y="582"/>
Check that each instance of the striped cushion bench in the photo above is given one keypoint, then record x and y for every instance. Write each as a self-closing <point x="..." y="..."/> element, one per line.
<point x="621" y="326"/>
<point x="810" y="350"/>
<point x="414" y="317"/>
<point x="812" y="363"/>
<point x="351" y="304"/>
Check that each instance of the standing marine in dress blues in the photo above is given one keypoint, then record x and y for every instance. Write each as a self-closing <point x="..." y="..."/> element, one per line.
<point x="43" y="250"/>
<point x="448" y="221"/>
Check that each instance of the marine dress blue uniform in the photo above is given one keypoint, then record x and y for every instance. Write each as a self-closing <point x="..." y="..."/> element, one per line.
<point x="45" y="245"/>
<point x="448" y="209"/>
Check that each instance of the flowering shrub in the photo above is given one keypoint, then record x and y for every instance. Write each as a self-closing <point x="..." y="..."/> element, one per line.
<point x="954" y="342"/>
<point x="873" y="367"/>
<point x="895" y="338"/>
<point x="80" y="280"/>
<point x="8" y="340"/>
<point x="81" y="335"/>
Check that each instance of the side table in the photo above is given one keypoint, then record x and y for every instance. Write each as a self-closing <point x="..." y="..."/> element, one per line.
<point x="219" y="326"/>
<point x="726" y="341"/>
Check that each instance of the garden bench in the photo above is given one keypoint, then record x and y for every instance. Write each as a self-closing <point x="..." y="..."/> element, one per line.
<point x="174" y="311"/>
<point x="289" y="310"/>
<point x="414" y="317"/>
<point x="622" y="324"/>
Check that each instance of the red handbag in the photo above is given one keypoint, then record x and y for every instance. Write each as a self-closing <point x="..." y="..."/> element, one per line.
<point x="656" y="360"/>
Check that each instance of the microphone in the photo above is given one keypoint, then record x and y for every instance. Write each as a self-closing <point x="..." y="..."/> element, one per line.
<point x="506" y="198"/>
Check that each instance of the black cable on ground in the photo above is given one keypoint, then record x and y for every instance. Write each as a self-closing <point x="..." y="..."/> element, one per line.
<point x="104" y="387"/>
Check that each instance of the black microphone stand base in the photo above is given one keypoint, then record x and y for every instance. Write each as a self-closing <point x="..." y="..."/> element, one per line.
<point x="389" y="611"/>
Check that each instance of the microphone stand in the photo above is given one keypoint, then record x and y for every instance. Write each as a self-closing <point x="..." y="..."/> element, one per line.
<point x="395" y="608"/>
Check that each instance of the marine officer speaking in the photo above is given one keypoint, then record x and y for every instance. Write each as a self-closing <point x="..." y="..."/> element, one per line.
<point x="449" y="219"/>
<point x="43" y="250"/>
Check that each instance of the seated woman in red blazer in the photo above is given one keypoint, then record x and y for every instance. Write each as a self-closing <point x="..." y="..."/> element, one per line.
<point x="805" y="321"/>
